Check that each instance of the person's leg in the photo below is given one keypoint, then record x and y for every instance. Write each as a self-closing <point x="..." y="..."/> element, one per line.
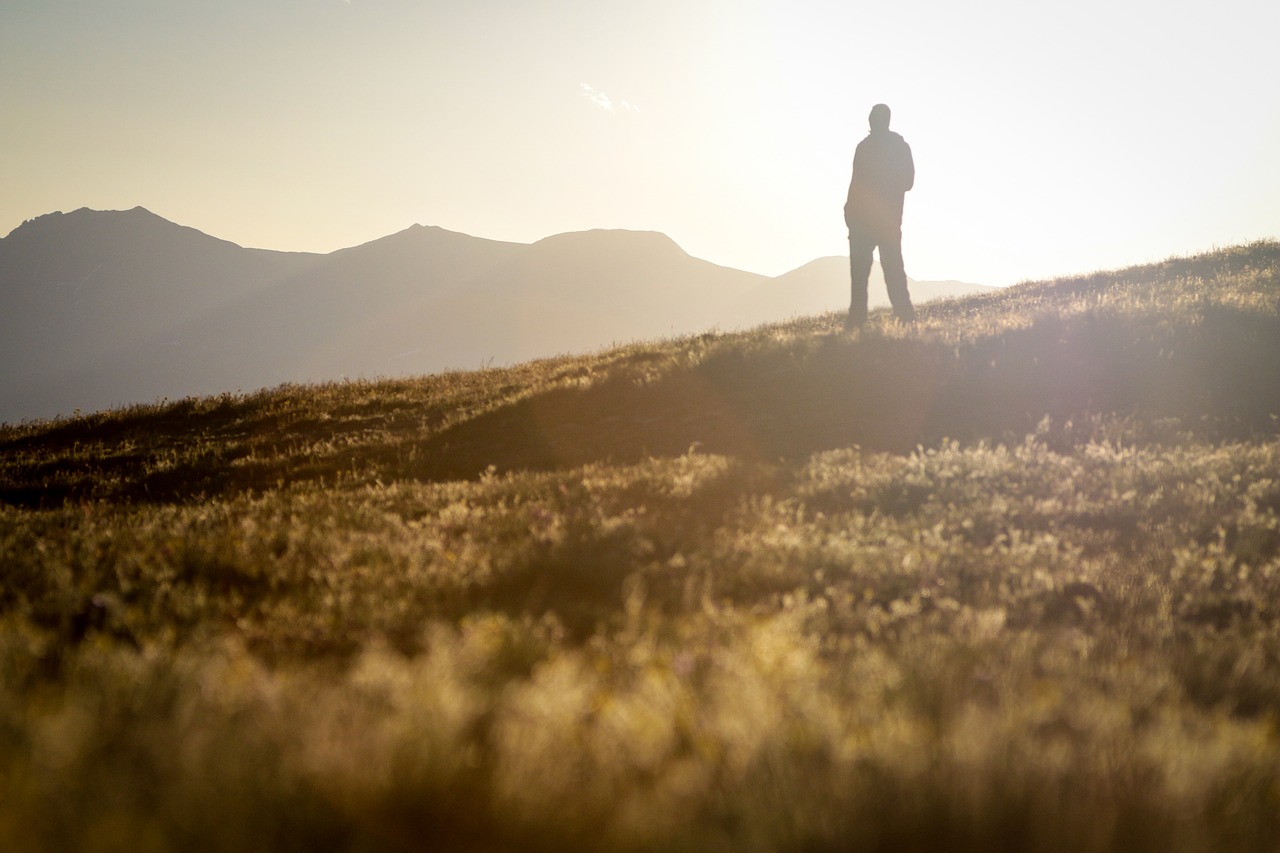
<point x="860" y="248"/>
<point x="895" y="277"/>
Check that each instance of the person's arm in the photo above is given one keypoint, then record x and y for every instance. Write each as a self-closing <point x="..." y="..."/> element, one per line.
<point x="909" y="170"/>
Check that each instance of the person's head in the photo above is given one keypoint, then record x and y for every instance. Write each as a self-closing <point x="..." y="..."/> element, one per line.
<point x="879" y="117"/>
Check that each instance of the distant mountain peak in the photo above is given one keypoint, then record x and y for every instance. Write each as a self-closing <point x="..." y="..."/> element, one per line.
<point x="613" y="240"/>
<point x="111" y="224"/>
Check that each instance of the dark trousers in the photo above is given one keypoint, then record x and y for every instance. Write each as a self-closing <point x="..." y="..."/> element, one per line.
<point x="861" y="244"/>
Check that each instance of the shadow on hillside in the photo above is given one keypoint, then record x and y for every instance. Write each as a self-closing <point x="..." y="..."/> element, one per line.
<point x="749" y="405"/>
<point x="1220" y="377"/>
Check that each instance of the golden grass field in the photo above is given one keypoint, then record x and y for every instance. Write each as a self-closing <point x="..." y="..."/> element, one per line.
<point x="1008" y="581"/>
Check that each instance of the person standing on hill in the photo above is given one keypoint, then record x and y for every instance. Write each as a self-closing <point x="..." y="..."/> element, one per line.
<point x="883" y="171"/>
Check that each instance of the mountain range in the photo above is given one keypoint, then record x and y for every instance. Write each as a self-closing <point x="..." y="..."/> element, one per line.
<point x="107" y="308"/>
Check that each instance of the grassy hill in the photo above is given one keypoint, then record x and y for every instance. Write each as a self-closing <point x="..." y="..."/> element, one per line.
<point x="1007" y="581"/>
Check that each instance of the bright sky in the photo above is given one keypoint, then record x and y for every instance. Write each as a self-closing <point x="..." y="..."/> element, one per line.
<point x="1049" y="138"/>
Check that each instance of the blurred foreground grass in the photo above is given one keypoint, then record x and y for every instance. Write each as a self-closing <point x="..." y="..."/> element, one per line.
<point x="1007" y="582"/>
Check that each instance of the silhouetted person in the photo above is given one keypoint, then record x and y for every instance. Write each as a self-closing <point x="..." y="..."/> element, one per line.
<point x="882" y="173"/>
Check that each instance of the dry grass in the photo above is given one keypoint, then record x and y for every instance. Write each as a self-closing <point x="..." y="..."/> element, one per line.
<point x="1010" y="581"/>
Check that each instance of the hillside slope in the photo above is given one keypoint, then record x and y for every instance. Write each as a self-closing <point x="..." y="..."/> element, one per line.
<point x="1006" y="581"/>
<point x="1192" y="344"/>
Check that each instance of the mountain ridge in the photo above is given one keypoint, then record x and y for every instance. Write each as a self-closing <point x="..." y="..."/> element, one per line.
<point x="106" y="308"/>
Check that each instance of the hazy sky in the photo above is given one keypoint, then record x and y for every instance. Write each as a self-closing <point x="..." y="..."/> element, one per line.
<point x="1049" y="138"/>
